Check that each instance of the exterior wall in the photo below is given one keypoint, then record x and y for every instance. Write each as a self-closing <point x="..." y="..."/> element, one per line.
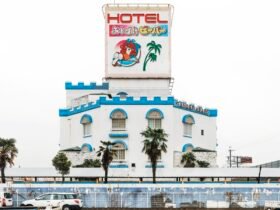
<point x="135" y="87"/>
<point x="209" y="157"/>
<point x="72" y="132"/>
<point x="78" y="158"/>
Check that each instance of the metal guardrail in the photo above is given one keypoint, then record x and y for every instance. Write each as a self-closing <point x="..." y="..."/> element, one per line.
<point x="166" y="199"/>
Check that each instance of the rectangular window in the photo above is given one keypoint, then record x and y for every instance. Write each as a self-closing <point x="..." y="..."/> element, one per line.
<point x="202" y="132"/>
<point x="188" y="130"/>
<point x="154" y="123"/>
<point x="118" y="124"/>
<point x="87" y="129"/>
<point x="119" y="155"/>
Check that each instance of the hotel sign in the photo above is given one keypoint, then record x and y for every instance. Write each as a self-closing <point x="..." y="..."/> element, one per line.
<point x="137" y="41"/>
<point x="192" y="107"/>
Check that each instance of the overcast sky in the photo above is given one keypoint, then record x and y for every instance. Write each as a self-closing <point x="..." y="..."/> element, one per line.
<point x="225" y="55"/>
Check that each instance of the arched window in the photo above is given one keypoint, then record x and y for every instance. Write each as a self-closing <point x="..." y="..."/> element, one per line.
<point x="86" y="121"/>
<point x="122" y="95"/>
<point x="119" y="150"/>
<point x="187" y="148"/>
<point x="86" y="148"/>
<point x="118" y="117"/>
<point x="188" y="122"/>
<point x="154" y="117"/>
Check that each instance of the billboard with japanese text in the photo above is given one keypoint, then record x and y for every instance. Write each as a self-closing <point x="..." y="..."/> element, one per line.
<point x="137" y="41"/>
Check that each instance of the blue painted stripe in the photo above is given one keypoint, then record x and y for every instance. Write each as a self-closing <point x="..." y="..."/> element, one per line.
<point x="83" y="86"/>
<point x="118" y="135"/>
<point x="158" y="166"/>
<point x="119" y="166"/>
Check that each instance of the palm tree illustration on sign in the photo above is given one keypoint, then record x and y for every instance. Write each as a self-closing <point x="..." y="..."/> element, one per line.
<point x="153" y="48"/>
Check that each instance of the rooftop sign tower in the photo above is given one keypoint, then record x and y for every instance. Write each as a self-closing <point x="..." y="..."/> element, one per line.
<point x="138" y="41"/>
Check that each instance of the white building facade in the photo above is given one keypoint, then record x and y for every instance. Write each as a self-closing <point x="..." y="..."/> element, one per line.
<point x="136" y="94"/>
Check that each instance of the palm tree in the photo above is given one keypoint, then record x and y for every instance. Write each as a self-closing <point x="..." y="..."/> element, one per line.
<point x="188" y="159"/>
<point x="202" y="163"/>
<point x="8" y="152"/>
<point x="152" y="54"/>
<point x="107" y="156"/>
<point x="154" y="145"/>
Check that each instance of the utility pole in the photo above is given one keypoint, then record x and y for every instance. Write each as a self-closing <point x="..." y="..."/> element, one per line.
<point x="230" y="151"/>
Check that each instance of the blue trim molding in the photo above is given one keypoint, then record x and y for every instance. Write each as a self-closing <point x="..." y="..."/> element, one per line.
<point x="186" y="146"/>
<point x="88" y="146"/>
<point x="83" y="86"/>
<point x="121" y="142"/>
<point x="212" y="112"/>
<point x="158" y="166"/>
<point x="86" y="117"/>
<point x="118" y="135"/>
<point x="118" y="110"/>
<point x="157" y="110"/>
<point x="186" y="117"/>
<point x="78" y="109"/>
<point x="118" y="166"/>
<point x="116" y="100"/>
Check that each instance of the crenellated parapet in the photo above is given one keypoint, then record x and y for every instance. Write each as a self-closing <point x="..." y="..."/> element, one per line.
<point x="78" y="109"/>
<point x="116" y="100"/>
<point x="83" y="86"/>
<point x="137" y="101"/>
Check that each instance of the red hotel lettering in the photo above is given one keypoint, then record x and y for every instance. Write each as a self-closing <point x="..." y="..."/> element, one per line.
<point x="128" y="18"/>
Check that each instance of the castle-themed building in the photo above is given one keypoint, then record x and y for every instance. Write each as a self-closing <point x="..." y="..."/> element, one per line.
<point x="136" y="94"/>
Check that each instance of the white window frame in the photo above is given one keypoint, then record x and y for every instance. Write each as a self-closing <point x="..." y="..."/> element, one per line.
<point x="119" y="152"/>
<point x="154" y="120"/>
<point x="86" y="129"/>
<point x="118" y="122"/>
<point x="188" y="127"/>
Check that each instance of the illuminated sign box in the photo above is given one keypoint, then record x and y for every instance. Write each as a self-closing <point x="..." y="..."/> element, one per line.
<point x="137" y="41"/>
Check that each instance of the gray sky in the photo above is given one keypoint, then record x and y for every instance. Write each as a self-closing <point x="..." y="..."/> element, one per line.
<point x="225" y="55"/>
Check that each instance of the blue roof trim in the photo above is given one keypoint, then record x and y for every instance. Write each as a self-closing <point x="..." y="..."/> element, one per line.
<point x="88" y="146"/>
<point x="88" y="117"/>
<point x="119" y="166"/>
<point x="116" y="100"/>
<point x="118" y="135"/>
<point x="79" y="109"/>
<point x="209" y="113"/>
<point x="155" y="109"/>
<point x="213" y="113"/>
<point x="158" y="166"/>
<point x="186" y="146"/>
<point x="118" y="110"/>
<point x="185" y="118"/>
<point x="121" y="142"/>
<point x="83" y="86"/>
